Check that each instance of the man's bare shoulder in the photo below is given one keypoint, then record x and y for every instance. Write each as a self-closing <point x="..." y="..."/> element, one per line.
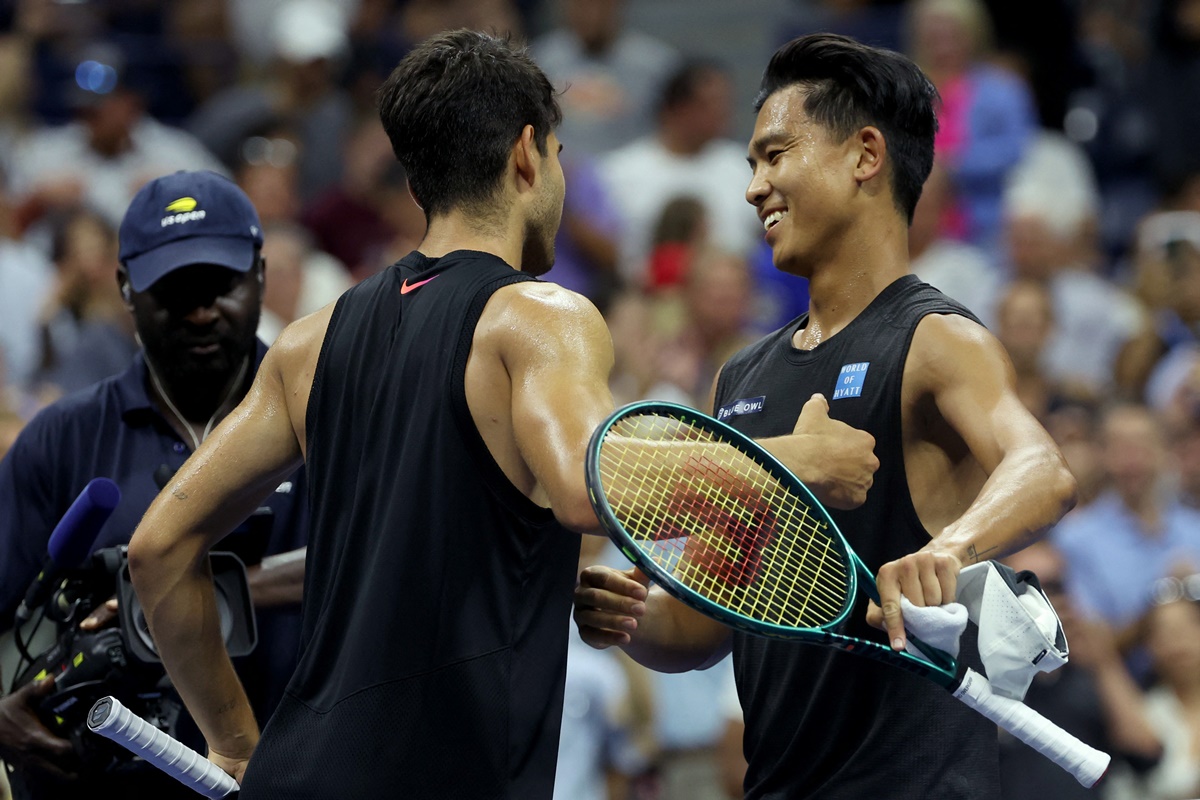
<point x="295" y="352"/>
<point x="545" y="304"/>
<point x="949" y="348"/>
<point x="539" y="321"/>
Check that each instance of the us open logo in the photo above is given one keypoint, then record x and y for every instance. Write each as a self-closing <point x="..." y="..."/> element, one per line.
<point x="850" y="380"/>
<point x="748" y="405"/>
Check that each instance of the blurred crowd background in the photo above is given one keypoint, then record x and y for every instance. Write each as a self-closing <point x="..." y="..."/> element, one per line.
<point x="1064" y="210"/>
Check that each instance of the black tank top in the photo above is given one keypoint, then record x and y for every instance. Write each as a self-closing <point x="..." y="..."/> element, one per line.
<point x="437" y="596"/>
<point x="821" y="723"/>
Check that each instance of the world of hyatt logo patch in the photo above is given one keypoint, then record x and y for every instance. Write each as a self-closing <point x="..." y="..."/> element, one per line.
<point x="850" y="380"/>
<point x="749" y="405"/>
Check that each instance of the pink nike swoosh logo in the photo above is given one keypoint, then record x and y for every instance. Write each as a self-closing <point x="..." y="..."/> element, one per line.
<point x="407" y="287"/>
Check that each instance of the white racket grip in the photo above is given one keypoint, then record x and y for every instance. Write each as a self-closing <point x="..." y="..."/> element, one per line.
<point x="111" y="719"/>
<point x="1086" y="763"/>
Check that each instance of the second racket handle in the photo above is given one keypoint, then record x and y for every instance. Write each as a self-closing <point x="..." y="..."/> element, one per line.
<point x="111" y="719"/>
<point x="1086" y="763"/>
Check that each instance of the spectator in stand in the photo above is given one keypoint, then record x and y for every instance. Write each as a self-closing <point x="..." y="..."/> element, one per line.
<point x="636" y="342"/>
<point x="106" y="154"/>
<point x="1136" y="532"/>
<point x="682" y="229"/>
<point x="610" y="77"/>
<point x="1171" y="712"/>
<point x="307" y="39"/>
<point x="87" y="335"/>
<point x="1051" y="239"/>
<point x="709" y="324"/>
<point x="958" y="269"/>
<point x="987" y="115"/>
<point x="1092" y="696"/>
<point x="687" y="155"/>
<point x="1025" y="322"/>
<point x="1167" y="270"/>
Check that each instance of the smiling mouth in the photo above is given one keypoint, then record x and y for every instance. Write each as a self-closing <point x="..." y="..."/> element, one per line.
<point x="773" y="219"/>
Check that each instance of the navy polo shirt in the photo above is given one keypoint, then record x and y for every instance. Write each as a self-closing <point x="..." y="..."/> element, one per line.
<point x="113" y="430"/>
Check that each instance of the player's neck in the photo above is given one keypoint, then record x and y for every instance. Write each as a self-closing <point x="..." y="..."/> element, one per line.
<point x="456" y="230"/>
<point x="843" y="284"/>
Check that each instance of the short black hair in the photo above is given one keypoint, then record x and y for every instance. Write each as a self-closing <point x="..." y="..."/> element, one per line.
<point x="453" y="108"/>
<point x="851" y="85"/>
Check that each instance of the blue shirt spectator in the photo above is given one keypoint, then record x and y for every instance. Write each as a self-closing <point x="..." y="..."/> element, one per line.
<point x="113" y="430"/>
<point x="1112" y="563"/>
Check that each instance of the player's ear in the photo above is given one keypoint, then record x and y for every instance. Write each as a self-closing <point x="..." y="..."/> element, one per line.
<point x="526" y="159"/>
<point x="870" y="150"/>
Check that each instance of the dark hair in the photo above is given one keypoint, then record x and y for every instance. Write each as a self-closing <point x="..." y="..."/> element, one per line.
<point x="453" y="108"/>
<point x="851" y="85"/>
<point x="683" y="84"/>
<point x="680" y="220"/>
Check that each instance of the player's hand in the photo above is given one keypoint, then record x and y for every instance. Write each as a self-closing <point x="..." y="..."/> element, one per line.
<point x="838" y="461"/>
<point x="101" y="617"/>
<point x="235" y="766"/>
<point x="24" y="741"/>
<point x="926" y="578"/>
<point x="608" y="605"/>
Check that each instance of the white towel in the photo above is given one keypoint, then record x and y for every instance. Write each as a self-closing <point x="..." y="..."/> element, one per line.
<point x="1019" y="631"/>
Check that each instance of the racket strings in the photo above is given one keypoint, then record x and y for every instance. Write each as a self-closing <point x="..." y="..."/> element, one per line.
<point x="721" y="524"/>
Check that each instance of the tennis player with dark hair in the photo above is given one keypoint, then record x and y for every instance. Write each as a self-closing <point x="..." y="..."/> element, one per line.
<point x="443" y="408"/>
<point x="841" y="147"/>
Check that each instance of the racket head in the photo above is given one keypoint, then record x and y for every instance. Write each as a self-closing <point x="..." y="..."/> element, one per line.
<point x="721" y="524"/>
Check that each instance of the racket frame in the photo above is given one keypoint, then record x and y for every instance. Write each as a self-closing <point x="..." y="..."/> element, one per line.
<point x="940" y="667"/>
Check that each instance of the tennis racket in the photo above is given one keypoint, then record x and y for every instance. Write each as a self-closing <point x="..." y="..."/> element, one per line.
<point x="109" y="718"/>
<point x="720" y="524"/>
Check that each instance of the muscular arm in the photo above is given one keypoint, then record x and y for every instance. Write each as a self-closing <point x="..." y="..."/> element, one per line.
<point x="1029" y="487"/>
<point x="966" y="374"/>
<point x="557" y="353"/>
<point x="222" y="483"/>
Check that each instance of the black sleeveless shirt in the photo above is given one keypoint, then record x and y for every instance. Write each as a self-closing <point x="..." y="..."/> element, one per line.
<point x="821" y="723"/>
<point x="437" y="596"/>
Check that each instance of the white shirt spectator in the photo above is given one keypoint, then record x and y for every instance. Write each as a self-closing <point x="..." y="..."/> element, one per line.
<point x="1093" y="320"/>
<point x="642" y="177"/>
<point x="63" y="152"/>
<point x="608" y="99"/>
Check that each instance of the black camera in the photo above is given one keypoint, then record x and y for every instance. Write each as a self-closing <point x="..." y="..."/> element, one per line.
<point x="122" y="660"/>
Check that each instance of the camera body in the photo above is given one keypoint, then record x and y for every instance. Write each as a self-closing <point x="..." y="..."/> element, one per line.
<point x="121" y="660"/>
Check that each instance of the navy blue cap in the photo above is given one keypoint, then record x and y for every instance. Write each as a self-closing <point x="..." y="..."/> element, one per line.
<point x="187" y="218"/>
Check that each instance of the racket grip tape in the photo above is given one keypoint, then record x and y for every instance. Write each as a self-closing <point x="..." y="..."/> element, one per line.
<point x="1086" y="763"/>
<point x="114" y="721"/>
